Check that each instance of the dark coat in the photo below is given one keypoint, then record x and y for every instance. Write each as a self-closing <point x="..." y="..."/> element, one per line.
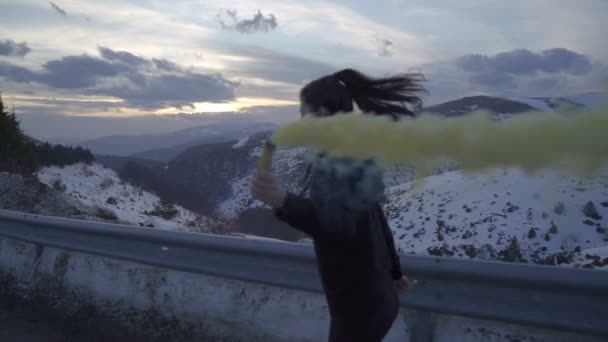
<point x="356" y="257"/>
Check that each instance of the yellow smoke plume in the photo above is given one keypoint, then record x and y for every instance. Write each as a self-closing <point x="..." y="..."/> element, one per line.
<point x="532" y="140"/>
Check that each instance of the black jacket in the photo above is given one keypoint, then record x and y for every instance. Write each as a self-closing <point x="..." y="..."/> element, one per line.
<point x="355" y="252"/>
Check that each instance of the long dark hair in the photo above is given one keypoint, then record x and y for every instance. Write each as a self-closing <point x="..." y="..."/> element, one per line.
<point x="395" y="96"/>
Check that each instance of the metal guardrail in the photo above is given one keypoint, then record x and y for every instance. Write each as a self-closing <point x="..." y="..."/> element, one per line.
<point x="558" y="298"/>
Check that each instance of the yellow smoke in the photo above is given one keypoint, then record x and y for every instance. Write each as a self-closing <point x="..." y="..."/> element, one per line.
<point x="532" y="140"/>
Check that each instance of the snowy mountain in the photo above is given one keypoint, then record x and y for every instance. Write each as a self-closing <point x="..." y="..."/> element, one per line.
<point x="504" y="215"/>
<point x="221" y="171"/>
<point x="466" y="105"/>
<point x="102" y="192"/>
<point x="548" y="104"/>
<point x="547" y="218"/>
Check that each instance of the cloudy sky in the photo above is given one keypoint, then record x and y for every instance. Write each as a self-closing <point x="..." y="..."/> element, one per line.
<point x="116" y="64"/>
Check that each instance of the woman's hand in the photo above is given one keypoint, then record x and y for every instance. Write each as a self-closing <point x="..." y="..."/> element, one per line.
<point x="403" y="284"/>
<point x="265" y="188"/>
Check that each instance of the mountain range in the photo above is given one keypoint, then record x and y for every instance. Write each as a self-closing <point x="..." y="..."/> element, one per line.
<point x="503" y="214"/>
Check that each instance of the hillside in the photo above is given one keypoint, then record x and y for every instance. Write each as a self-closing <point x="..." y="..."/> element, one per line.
<point x="504" y="215"/>
<point x="102" y="193"/>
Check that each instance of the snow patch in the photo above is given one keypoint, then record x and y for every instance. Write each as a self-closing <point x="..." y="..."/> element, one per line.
<point x="241" y="142"/>
<point x="98" y="187"/>
<point x="536" y="103"/>
<point x="458" y="214"/>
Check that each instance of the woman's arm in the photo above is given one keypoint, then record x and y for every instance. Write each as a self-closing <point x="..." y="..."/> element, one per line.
<point x="331" y="222"/>
<point x="396" y="273"/>
<point x="298" y="212"/>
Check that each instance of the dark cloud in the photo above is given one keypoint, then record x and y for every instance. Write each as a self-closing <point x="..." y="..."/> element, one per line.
<point x="122" y="56"/>
<point x="526" y="62"/>
<point x="492" y="79"/>
<point x="561" y="59"/>
<point x="271" y="65"/>
<point x="16" y="73"/>
<point x="10" y="48"/>
<point x="546" y="83"/>
<point x="473" y="62"/>
<point x="259" y="22"/>
<point x="142" y="83"/>
<point x="166" y="65"/>
<point x="174" y="90"/>
<point x="71" y="72"/>
<point x="58" y="9"/>
<point x="74" y="72"/>
<point x="522" y="69"/>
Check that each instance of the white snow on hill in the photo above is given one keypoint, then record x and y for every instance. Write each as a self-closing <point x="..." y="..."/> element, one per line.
<point x="536" y="103"/>
<point x="241" y="142"/>
<point x="101" y="188"/>
<point x="480" y="216"/>
<point x="285" y="161"/>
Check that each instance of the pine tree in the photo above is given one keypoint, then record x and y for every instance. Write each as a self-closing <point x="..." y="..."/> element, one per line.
<point x="19" y="154"/>
<point x="16" y="151"/>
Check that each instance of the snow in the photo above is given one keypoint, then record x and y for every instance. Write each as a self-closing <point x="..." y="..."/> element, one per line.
<point x="457" y="212"/>
<point x="98" y="187"/>
<point x="536" y="103"/>
<point x="286" y="163"/>
<point x="599" y="251"/>
<point x="256" y="152"/>
<point x="240" y="200"/>
<point x="241" y="142"/>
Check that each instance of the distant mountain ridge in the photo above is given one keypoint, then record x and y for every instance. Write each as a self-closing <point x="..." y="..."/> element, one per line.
<point x="501" y="106"/>
<point x="166" y="146"/>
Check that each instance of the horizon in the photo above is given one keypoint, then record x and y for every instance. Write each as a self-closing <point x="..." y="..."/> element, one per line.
<point x="69" y="65"/>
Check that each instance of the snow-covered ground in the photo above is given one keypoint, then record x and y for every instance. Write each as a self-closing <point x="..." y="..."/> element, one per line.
<point x="536" y="103"/>
<point x="101" y="188"/>
<point x="286" y="163"/>
<point x="541" y="217"/>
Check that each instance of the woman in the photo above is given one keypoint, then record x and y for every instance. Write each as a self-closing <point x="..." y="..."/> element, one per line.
<point x="356" y="255"/>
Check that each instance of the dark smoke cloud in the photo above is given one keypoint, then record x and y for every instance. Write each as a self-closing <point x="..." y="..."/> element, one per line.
<point x="10" y="48"/>
<point x="259" y="22"/>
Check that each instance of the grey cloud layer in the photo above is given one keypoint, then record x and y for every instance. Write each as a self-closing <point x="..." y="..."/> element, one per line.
<point x="259" y="22"/>
<point x="141" y="82"/>
<point x="501" y="69"/>
<point x="10" y="48"/>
